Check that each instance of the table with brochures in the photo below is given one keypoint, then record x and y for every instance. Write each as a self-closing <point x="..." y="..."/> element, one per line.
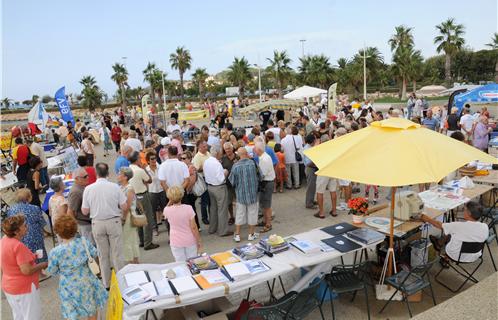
<point x="278" y="265"/>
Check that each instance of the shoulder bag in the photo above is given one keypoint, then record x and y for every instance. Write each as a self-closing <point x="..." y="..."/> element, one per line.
<point x="138" y="219"/>
<point x="298" y="156"/>
<point x="199" y="186"/>
<point x="92" y="264"/>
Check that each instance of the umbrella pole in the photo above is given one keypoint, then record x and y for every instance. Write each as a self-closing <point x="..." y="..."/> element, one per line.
<point x="391" y="234"/>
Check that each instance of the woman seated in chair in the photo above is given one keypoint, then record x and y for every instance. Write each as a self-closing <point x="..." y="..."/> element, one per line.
<point x="454" y="233"/>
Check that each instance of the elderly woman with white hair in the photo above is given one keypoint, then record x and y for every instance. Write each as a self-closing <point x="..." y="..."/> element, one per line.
<point x="481" y="131"/>
<point x="452" y="123"/>
<point x="57" y="205"/>
<point x="130" y="235"/>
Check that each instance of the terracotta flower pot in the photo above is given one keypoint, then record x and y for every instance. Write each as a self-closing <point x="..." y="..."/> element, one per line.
<point x="358" y="219"/>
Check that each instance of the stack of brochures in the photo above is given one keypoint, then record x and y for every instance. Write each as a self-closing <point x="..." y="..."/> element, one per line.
<point x="274" y="244"/>
<point x="204" y="262"/>
<point x="184" y="285"/>
<point x="248" y="252"/>
<point x="237" y="271"/>
<point x="224" y="258"/>
<point x="366" y="235"/>
<point x="256" y="266"/>
<point x="306" y="246"/>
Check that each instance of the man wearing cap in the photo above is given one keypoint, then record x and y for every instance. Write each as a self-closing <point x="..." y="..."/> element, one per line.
<point x="163" y="152"/>
<point x="173" y="126"/>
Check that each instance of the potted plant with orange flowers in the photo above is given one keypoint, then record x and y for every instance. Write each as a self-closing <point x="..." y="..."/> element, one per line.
<point x="358" y="207"/>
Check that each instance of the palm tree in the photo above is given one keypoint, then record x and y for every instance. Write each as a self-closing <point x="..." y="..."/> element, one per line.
<point x="280" y="69"/>
<point x="402" y="38"/>
<point x="88" y="81"/>
<point x="406" y="65"/>
<point x="449" y="40"/>
<point x="148" y="73"/>
<point x="494" y="46"/>
<point x="315" y="70"/>
<point x="200" y="76"/>
<point x="91" y="93"/>
<point x="239" y="75"/>
<point x="6" y="103"/>
<point x="34" y="99"/>
<point x="181" y="60"/>
<point x="374" y="62"/>
<point x="120" y="76"/>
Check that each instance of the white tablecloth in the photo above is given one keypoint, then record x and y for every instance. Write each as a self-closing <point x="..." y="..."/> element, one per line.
<point x="280" y="264"/>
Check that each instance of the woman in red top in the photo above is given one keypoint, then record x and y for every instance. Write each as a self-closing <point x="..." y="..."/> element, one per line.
<point x="20" y="273"/>
<point x="92" y="174"/>
<point x="116" y="136"/>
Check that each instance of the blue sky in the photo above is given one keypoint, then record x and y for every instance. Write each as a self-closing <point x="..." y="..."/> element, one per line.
<point x="48" y="44"/>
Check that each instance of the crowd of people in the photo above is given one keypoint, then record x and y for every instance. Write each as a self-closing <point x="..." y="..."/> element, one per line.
<point x="231" y="173"/>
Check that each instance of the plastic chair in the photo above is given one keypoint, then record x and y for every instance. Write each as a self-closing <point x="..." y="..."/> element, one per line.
<point x="305" y="302"/>
<point x="344" y="279"/>
<point x="411" y="282"/>
<point x="276" y="311"/>
<point x="458" y="265"/>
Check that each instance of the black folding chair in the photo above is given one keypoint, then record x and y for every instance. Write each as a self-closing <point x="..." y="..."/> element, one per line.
<point x="347" y="278"/>
<point x="458" y="265"/>
<point x="275" y="311"/>
<point x="411" y="282"/>
<point x="305" y="302"/>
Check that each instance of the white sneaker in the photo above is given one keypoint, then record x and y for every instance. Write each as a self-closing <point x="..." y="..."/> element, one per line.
<point x="236" y="238"/>
<point x="253" y="236"/>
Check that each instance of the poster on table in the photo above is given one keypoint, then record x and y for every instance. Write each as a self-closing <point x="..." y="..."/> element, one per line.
<point x="69" y="159"/>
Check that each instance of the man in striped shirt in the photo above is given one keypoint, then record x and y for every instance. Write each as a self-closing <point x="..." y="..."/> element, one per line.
<point x="244" y="177"/>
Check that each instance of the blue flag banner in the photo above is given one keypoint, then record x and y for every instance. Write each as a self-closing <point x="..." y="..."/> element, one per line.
<point x="65" y="109"/>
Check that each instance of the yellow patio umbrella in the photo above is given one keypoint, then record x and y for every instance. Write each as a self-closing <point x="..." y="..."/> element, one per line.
<point x="391" y="153"/>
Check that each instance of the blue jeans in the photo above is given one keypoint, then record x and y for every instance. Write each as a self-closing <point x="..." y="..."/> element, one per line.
<point x="44" y="176"/>
<point x="205" y="205"/>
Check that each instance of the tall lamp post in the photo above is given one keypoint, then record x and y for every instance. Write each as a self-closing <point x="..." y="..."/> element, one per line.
<point x="259" y="82"/>
<point x="123" y="91"/>
<point x="302" y="46"/>
<point x="365" y="72"/>
<point x="164" y="95"/>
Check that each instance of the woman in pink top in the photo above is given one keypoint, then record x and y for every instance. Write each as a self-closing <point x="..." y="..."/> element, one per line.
<point x="185" y="240"/>
<point x="20" y="273"/>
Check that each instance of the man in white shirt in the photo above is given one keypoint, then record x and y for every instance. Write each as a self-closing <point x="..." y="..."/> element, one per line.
<point x="291" y="144"/>
<point x="457" y="232"/>
<point x="275" y="131"/>
<point x="215" y="177"/>
<point x="173" y="172"/>
<point x="133" y="142"/>
<point x="467" y="124"/>
<point x="268" y="176"/>
<point x="140" y="181"/>
<point x="198" y="162"/>
<point x="106" y="204"/>
<point x="173" y="126"/>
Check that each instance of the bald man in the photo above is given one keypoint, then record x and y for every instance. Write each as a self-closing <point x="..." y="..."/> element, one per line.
<point x="245" y="177"/>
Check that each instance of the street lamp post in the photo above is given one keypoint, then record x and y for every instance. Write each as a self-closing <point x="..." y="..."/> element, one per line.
<point x="302" y="46"/>
<point x="123" y="88"/>
<point x="164" y="95"/>
<point x="259" y="82"/>
<point x="365" y="72"/>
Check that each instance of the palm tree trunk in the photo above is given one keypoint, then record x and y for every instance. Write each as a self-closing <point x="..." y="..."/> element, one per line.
<point x="447" y="68"/>
<point x="496" y="72"/>
<point x="241" y="93"/>
<point x="181" y="89"/>
<point x="403" y="89"/>
<point x="123" y="95"/>
<point x="414" y="85"/>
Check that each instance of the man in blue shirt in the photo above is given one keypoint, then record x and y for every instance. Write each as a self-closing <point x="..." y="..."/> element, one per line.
<point x="430" y="122"/>
<point x="122" y="160"/>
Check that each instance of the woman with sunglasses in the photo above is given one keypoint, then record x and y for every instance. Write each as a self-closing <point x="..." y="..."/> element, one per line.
<point x="189" y="197"/>
<point x="156" y="192"/>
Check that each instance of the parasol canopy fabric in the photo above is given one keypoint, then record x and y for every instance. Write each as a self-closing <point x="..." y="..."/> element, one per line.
<point x="393" y="152"/>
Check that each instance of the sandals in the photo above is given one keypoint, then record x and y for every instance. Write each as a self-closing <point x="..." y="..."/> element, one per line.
<point x="333" y="213"/>
<point x="231" y="221"/>
<point x="266" y="229"/>
<point x="317" y="215"/>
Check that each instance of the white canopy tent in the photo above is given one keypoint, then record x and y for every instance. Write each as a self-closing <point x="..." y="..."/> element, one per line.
<point x="304" y="92"/>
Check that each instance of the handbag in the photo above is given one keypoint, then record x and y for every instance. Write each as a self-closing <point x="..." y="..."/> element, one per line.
<point x="298" y="156"/>
<point x="92" y="264"/>
<point x="199" y="186"/>
<point x="138" y="219"/>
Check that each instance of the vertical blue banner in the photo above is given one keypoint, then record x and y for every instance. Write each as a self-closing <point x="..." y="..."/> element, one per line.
<point x="64" y="108"/>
